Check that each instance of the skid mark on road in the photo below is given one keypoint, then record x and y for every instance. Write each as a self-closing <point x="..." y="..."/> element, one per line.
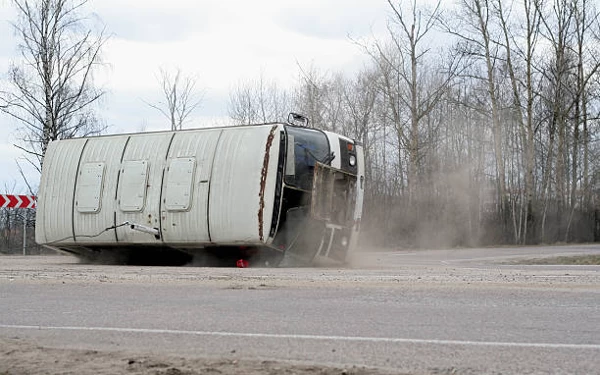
<point x="357" y="339"/>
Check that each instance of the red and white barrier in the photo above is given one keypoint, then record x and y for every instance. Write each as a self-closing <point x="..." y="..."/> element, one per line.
<point x="17" y="201"/>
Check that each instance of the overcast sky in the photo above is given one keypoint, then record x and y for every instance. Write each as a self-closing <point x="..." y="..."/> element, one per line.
<point x="222" y="42"/>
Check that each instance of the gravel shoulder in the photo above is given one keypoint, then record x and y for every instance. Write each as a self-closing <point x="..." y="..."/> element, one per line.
<point x="368" y="270"/>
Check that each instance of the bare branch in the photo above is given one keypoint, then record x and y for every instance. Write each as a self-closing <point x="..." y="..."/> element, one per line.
<point x="181" y="97"/>
<point x="52" y="91"/>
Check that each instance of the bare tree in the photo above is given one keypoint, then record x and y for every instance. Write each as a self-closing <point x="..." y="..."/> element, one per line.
<point x="558" y="99"/>
<point x="523" y="95"/>
<point x="587" y="26"/>
<point x="181" y="97"/>
<point x="416" y="86"/>
<point x="258" y="101"/>
<point x="475" y="24"/>
<point x="310" y="96"/>
<point x="359" y="95"/>
<point x="50" y="90"/>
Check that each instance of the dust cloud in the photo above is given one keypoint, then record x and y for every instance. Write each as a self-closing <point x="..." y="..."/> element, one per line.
<point x="450" y="210"/>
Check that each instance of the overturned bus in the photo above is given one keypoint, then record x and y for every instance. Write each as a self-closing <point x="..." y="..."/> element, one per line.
<point x="269" y="194"/>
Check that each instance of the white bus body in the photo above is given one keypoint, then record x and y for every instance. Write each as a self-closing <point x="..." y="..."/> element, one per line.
<point x="231" y="192"/>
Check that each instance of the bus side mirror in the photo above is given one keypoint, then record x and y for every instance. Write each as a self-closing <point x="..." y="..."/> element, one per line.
<point x="297" y="119"/>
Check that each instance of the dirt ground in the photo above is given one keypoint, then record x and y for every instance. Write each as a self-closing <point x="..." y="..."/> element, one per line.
<point x="19" y="357"/>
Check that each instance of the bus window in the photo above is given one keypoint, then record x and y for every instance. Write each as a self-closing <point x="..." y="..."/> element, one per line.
<point x="309" y="147"/>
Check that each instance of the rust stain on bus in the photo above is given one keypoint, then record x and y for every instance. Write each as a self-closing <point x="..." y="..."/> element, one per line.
<point x="263" y="181"/>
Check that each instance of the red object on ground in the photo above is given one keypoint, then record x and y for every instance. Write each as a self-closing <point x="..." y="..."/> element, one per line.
<point x="17" y="201"/>
<point x="242" y="263"/>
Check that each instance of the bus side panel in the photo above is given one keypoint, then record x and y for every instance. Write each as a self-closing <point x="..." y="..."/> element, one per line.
<point x="184" y="219"/>
<point x="140" y="184"/>
<point x="101" y="157"/>
<point x="243" y="183"/>
<point x="55" y="201"/>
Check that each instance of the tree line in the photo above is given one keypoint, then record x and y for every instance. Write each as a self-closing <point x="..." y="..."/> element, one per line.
<point x="487" y="137"/>
<point x="479" y="119"/>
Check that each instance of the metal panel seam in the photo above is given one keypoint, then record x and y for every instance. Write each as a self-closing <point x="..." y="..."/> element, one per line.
<point x="116" y="205"/>
<point x="162" y="186"/>
<point x="212" y="165"/>
<point x="75" y="189"/>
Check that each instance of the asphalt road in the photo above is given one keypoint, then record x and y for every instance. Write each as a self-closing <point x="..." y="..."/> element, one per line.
<point x="423" y="312"/>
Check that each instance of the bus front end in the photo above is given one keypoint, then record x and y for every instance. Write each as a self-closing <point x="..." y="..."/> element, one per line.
<point x="322" y="197"/>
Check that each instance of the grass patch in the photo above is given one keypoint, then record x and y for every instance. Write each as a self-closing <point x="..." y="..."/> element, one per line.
<point x="579" y="260"/>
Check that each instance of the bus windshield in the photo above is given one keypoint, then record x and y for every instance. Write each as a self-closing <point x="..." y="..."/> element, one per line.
<point x="305" y="148"/>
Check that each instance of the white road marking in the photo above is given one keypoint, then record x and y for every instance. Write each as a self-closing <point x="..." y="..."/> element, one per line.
<point x="310" y="337"/>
